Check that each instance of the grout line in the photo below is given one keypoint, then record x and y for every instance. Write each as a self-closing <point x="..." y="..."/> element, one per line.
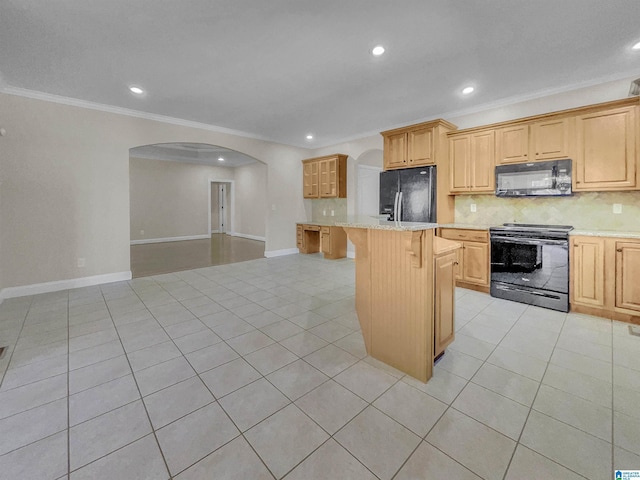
<point x="68" y="391"/>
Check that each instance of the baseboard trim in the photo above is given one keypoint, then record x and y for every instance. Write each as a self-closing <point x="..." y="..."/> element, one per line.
<point x="169" y="239"/>
<point x="58" y="285"/>
<point x="281" y="253"/>
<point x="215" y="231"/>
<point x="246" y="235"/>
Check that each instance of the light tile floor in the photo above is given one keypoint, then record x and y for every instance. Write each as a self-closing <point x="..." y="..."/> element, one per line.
<point x="257" y="370"/>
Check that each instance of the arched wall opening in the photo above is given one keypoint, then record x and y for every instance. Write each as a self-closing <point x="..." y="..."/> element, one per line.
<point x="182" y="194"/>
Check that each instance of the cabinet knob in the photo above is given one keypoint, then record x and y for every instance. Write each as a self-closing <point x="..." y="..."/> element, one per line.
<point x="455" y="263"/>
<point x="525" y="154"/>
<point x="578" y="181"/>
<point x="619" y="250"/>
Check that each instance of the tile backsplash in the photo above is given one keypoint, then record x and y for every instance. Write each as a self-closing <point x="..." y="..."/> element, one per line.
<point x="584" y="211"/>
<point x="321" y="209"/>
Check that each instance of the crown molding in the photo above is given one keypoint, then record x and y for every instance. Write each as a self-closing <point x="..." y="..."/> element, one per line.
<point x="74" y="102"/>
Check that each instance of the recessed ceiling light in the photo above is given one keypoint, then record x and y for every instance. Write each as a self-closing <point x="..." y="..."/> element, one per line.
<point x="220" y="159"/>
<point x="309" y="137"/>
<point x="136" y="90"/>
<point x="467" y="90"/>
<point x="636" y="46"/>
<point x="377" y="50"/>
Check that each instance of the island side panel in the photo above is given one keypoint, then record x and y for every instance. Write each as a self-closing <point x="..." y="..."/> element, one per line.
<point x="360" y="239"/>
<point x="402" y="300"/>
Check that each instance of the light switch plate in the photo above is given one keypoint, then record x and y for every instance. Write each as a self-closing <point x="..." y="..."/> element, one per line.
<point x="617" y="208"/>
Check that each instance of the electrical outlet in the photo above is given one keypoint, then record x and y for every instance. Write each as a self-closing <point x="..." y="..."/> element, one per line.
<point x="324" y="212"/>
<point x="82" y="262"/>
<point x="473" y="207"/>
<point x="617" y="208"/>
<point x="141" y="232"/>
<point x="333" y="213"/>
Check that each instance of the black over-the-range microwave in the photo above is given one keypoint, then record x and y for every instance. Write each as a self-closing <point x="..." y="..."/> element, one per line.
<point x="534" y="179"/>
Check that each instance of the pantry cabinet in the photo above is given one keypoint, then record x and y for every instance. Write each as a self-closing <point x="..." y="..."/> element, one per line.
<point x="604" y="277"/>
<point x="325" y="177"/>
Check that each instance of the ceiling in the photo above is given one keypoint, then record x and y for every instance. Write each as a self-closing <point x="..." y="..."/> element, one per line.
<point x="193" y="153"/>
<point x="281" y="69"/>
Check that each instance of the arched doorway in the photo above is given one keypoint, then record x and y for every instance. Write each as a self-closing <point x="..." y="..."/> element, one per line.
<point x="179" y="192"/>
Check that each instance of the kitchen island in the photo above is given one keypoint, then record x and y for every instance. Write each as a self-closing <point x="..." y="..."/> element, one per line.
<point x="405" y="279"/>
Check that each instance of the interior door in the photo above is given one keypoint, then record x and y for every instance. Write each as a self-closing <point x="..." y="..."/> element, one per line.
<point x="368" y="190"/>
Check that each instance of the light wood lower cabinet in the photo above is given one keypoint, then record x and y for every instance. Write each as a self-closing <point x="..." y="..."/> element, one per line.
<point x="628" y="275"/>
<point x="604" y="277"/>
<point x="313" y="238"/>
<point x="444" y="296"/>
<point x="473" y="269"/>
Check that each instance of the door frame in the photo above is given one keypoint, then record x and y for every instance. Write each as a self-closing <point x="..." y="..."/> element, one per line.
<point x="230" y="209"/>
<point x="358" y="189"/>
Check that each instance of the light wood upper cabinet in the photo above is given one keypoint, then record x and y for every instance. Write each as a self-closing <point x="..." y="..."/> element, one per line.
<point x="472" y="158"/>
<point x="529" y="142"/>
<point x="311" y="178"/>
<point x="550" y="139"/>
<point x="395" y="151"/>
<point x="420" y="147"/>
<point x="627" y="275"/>
<point x="512" y="144"/>
<point x="587" y="271"/>
<point x="325" y="177"/>
<point x="606" y="156"/>
<point x="413" y="146"/>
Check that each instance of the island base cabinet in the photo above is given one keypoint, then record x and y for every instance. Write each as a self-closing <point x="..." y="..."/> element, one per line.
<point x="444" y="280"/>
<point x="628" y="276"/>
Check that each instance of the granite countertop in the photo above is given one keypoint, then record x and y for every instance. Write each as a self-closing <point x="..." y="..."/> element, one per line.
<point x="378" y="224"/>
<point x="322" y="223"/>
<point x="605" y="233"/>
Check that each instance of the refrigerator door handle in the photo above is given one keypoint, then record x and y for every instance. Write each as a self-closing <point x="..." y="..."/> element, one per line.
<point x="395" y="207"/>
<point x="399" y="217"/>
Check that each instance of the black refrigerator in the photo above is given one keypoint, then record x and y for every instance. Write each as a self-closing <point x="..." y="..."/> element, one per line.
<point x="409" y="194"/>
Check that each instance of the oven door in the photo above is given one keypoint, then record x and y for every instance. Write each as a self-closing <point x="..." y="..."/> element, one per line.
<point x="538" y="264"/>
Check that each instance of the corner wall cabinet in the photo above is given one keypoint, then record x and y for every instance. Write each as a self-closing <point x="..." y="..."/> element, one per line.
<point x="325" y="177"/>
<point x="604" y="277"/>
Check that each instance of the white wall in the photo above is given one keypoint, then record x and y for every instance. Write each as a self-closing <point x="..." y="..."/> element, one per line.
<point x="250" y="207"/>
<point x="170" y="199"/>
<point x="64" y="191"/>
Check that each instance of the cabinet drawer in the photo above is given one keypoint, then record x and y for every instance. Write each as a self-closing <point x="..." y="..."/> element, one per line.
<point x="468" y="235"/>
<point x="312" y="228"/>
<point x="326" y="230"/>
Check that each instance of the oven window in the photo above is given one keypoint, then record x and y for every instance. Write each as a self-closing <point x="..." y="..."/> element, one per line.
<point x="544" y="267"/>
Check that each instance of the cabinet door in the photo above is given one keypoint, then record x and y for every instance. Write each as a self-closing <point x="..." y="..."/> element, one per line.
<point x="310" y="187"/>
<point x="326" y="240"/>
<point x="483" y="162"/>
<point x="329" y="178"/>
<point x="299" y="237"/>
<point x="420" y="147"/>
<point x="395" y="151"/>
<point x="512" y="144"/>
<point x="475" y="265"/>
<point x="550" y="139"/>
<point x="459" y="163"/>
<point x="444" y="331"/>
<point x="587" y="271"/>
<point x="606" y="150"/>
<point x="628" y="275"/>
<point x="459" y="266"/>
